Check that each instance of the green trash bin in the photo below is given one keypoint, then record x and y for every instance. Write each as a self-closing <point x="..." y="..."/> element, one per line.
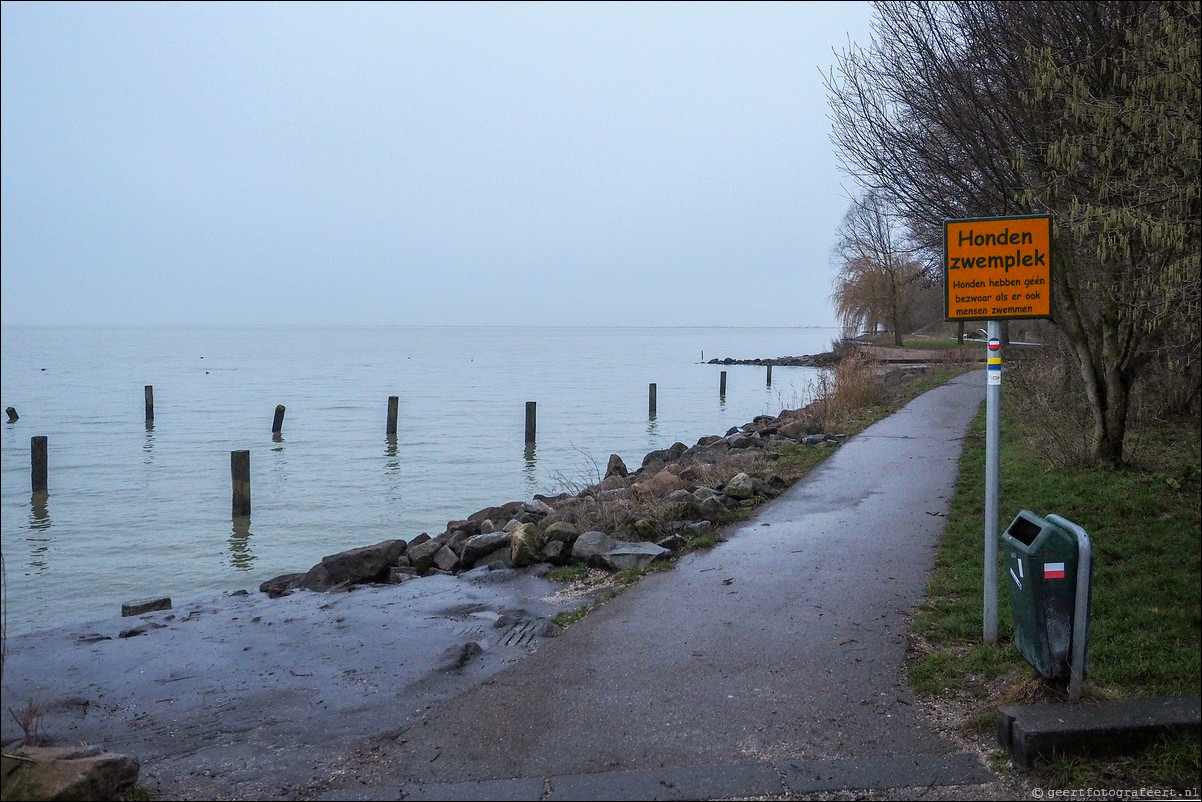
<point x="1042" y="562"/>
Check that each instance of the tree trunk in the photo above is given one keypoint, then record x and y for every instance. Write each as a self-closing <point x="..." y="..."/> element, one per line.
<point x="895" y="310"/>
<point x="1109" y="447"/>
<point x="1107" y="381"/>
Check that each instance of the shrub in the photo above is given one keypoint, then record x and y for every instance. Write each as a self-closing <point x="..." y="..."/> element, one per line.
<point x="1045" y="389"/>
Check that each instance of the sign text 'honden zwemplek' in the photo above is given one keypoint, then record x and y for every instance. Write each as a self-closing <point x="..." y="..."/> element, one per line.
<point x="997" y="268"/>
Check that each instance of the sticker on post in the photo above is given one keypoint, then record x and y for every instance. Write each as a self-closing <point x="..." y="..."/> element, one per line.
<point x="1053" y="570"/>
<point x="994" y="372"/>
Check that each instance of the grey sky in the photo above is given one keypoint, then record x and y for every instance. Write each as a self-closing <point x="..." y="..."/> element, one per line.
<point x="558" y="164"/>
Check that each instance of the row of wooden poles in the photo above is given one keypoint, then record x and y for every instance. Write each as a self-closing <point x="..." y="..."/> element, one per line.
<point x="240" y="460"/>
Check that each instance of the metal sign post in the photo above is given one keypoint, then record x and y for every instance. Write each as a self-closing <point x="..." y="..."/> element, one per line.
<point x="995" y="269"/>
<point x="993" y="440"/>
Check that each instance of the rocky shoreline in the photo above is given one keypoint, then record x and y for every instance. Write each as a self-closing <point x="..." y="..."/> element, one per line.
<point x="824" y="360"/>
<point x="675" y="501"/>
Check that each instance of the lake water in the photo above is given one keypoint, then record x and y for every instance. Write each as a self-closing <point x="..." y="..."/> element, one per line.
<point x="135" y="510"/>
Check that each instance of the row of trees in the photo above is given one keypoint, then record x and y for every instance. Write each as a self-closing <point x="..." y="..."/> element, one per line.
<point x="1088" y="111"/>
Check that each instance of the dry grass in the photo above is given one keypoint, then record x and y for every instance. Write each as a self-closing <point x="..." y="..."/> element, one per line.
<point x="844" y="393"/>
<point x="29" y="719"/>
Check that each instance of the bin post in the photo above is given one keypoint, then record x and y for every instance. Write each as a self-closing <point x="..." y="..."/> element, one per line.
<point x="1080" y="604"/>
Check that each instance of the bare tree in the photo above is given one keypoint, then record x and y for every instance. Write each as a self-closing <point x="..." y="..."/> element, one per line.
<point x="878" y="277"/>
<point x="856" y="296"/>
<point x="1084" y="110"/>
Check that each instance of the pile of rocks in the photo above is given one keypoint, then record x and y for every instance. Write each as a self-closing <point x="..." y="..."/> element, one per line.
<point x="549" y="528"/>
<point x="824" y="360"/>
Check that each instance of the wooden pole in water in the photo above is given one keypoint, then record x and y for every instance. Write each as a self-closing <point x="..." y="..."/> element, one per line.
<point x="240" y="473"/>
<point x="37" y="461"/>
<point x="394" y="403"/>
<point x="12" y="414"/>
<point x="531" y="415"/>
<point x="277" y="425"/>
<point x="149" y="403"/>
<point x="722" y="385"/>
<point x="769" y="374"/>
<point x="651" y="400"/>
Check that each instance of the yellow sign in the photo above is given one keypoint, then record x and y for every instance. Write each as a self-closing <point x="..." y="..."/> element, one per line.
<point x="997" y="268"/>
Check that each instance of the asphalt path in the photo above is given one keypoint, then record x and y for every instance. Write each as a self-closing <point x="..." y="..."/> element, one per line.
<point x="771" y="664"/>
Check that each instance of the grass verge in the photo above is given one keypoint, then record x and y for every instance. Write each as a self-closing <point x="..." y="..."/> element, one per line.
<point x="1144" y="634"/>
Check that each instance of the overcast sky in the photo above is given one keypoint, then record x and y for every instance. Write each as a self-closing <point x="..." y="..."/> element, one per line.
<point x="413" y="163"/>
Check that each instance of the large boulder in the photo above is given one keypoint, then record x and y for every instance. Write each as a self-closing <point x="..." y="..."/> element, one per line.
<point x="740" y="487"/>
<point x="613" y="482"/>
<point x="469" y="527"/>
<point x="497" y="515"/>
<point x="647" y="529"/>
<point x="421" y="556"/>
<point x="794" y="430"/>
<point x="712" y="508"/>
<point x="281" y="585"/>
<point x="67" y="772"/>
<point x="705" y="454"/>
<point x="525" y="546"/>
<point x="741" y="440"/>
<point x="556" y="552"/>
<point x="689" y="506"/>
<point x="537" y="507"/>
<point x="317" y="578"/>
<point x="479" y="545"/>
<point x="616" y="467"/>
<point x="445" y="559"/>
<point x="364" y="564"/>
<point x="664" y="483"/>
<point x="655" y="460"/>
<point x="561" y="531"/>
<point x="598" y="548"/>
<point x="455" y="540"/>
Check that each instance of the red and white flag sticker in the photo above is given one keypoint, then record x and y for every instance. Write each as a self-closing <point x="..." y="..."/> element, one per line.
<point x="1053" y="570"/>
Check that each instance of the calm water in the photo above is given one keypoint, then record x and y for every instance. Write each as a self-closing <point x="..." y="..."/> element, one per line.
<point x="136" y="511"/>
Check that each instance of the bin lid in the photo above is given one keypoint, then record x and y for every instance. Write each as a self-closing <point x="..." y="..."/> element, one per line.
<point x="1032" y="535"/>
<point x="1026" y="528"/>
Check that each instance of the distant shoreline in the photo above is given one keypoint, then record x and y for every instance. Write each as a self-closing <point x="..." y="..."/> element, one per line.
<point x="823" y="360"/>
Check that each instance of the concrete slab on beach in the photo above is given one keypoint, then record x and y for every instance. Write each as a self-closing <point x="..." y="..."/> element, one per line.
<point x="249" y="697"/>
